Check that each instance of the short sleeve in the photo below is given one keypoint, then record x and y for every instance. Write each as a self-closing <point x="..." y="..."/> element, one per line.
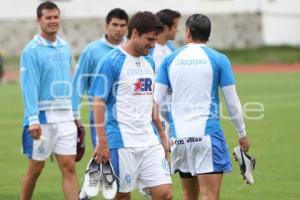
<point x="226" y="73"/>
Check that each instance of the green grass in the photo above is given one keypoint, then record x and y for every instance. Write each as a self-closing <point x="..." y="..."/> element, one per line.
<point x="263" y="55"/>
<point x="275" y="144"/>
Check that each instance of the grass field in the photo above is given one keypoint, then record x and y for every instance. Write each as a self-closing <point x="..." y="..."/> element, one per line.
<point x="275" y="144"/>
<point x="249" y="56"/>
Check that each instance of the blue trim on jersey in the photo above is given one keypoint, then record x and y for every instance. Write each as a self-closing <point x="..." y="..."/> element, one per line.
<point x="27" y="142"/>
<point x="42" y="117"/>
<point x="86" y="68"/>
<point x="114" y="155"/>
<point x="151" y="51"/>
<point x="155" y="131"/>
<point x="171" y="45"/>
<point x="222" y="76"/>
<point x="93" y="133"/>
<point x="172" y="126"/>
<point x="150" y="61"/>
<point x="105" y="86"/>
<point x="163" y="78"/>
<point x="163" y="73"/>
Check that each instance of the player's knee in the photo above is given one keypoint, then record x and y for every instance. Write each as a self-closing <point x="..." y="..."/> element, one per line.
<point x="166" y="195"/>
<point x="68" y="168"/>
<point x="37" y="169"/>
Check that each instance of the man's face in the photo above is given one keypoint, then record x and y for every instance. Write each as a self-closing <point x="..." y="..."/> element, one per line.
<point x="173" y="30"/>
<point x="145" y="42"/>
<point x="49" y="21"/>
<point x="116" y="29"/>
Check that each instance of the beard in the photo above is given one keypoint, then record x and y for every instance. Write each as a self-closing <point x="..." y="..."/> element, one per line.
<point x="142" y="51"/>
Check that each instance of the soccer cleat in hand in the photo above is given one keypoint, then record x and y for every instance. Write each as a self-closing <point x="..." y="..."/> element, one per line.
<point x="246" y="163"/>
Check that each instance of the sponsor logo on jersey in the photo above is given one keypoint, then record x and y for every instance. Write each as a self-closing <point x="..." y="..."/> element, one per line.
<point x="143" y="86"/>
<point x="190" y="61"/>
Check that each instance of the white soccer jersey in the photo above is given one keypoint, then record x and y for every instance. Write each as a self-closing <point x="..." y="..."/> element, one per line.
<point x="125" y="83"/>
<point x="194" y="73"/>
<point x="159" y="53"/>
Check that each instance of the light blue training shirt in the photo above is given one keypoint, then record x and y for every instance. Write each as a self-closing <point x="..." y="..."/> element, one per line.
<point x="45" y="73"/>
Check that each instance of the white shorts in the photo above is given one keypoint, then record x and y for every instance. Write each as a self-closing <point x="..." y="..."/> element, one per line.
<point x="197" y="155"/>
<point x="59" y="138"/>
<point x="140" y="167"/>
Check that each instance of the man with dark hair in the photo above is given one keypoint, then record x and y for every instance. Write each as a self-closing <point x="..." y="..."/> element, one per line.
<point x="163" y="47"/>
<point x="128" y="134"/>
<point x="116" y="28"/>
<point x="195" y="73"/>
<point x="48" y="119"/>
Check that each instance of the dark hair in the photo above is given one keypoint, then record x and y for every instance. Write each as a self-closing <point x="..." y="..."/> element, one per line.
<point x="144" y="22"/>
<point x="45" y="5"/>
<point x="116" y="13"/>
<point x="199" y="26"/>
<point x="167" y="17"/>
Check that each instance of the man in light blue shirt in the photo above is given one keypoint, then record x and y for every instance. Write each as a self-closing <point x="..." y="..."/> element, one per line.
<point x="48" y="118"/>
<point x="116" y="28"/>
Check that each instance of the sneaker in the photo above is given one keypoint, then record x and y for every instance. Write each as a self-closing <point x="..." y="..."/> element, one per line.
<point x="109" y="183"/>
<point x="91" y="184"/>
<point x="247" y="164"/>
<point x="83" y="195"/>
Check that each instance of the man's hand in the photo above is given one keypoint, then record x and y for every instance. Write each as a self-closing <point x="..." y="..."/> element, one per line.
<point x="35" y="130"/>
<point x="244" y="143"/>
<point x="101" y="152"/>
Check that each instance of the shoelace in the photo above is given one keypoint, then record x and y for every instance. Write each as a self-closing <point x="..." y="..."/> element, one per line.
<point x="108" y="181"/>
<point x="94" y="178"/>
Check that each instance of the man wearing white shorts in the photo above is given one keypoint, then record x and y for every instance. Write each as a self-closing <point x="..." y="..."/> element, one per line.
<point x="195" y="73"/>
<point x="48" y="118"/>
<point x="129" y="134"/>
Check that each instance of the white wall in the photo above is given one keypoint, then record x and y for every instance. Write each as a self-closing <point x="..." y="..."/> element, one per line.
<point x="280" y="18"/>
<point x="92" y="8"/>
<point x="281" y="22"/>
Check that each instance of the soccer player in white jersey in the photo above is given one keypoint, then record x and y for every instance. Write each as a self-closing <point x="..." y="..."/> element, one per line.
<point x="163" y="46"/>
<point x="195" y="73"/>
<point x="126" y="132"/>
<point x="116" y="27"/>
<point x="48" y="119"/>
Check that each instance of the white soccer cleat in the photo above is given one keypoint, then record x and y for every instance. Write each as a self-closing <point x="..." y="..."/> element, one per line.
<point x="91" y="184"/>
<point x="108" y="181"/>
<point x="246" y="162"/>
<point x="83" y="195"/>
